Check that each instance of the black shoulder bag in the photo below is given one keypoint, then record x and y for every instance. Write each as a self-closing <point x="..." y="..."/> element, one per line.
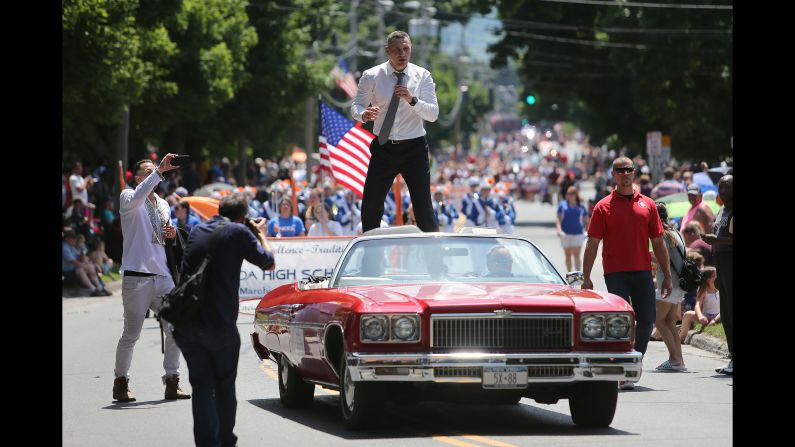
<point x="690" y="275"/>
<point x="185" y="301"/>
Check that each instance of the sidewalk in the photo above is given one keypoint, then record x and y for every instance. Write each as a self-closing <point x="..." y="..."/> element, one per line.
<point x="77" y="292"/>
<point x="708" y="343"/>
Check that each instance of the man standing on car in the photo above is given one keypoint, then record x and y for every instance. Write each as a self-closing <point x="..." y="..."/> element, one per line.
<point x="626" y="220"/>
<point x="398" y="96"/>
<point x="145" y="227"/>
<point x="211" y="343"/>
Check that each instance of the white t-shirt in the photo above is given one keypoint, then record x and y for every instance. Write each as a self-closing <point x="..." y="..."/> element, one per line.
<point x="335" y="229"/>
<point x="75" y="181"/>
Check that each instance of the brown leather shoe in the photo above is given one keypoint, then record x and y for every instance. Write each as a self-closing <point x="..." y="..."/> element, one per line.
<point x="121" y="390"/>
<point x="173" y="391"/>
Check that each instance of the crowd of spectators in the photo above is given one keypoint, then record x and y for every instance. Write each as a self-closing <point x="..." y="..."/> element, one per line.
<point x="475" y="188"/>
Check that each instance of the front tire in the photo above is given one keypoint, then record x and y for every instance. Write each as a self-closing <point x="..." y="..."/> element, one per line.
<point x="593" y="404"/>
<point x="293" y="391"/>
<point x="358" y="400"/>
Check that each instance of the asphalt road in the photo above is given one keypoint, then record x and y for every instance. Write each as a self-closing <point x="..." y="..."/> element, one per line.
<point x="693" y="407"/>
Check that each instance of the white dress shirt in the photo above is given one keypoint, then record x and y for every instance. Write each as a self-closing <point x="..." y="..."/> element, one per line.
<point x="139" y="253"/>
<point x="377" y="86"/>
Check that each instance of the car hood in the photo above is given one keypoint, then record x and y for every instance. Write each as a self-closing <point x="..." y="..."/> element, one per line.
<point x="480" y="297"/>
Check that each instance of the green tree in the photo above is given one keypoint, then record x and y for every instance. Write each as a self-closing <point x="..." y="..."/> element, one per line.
<point x="619" y="71"/>
<point x="269" y="113"/>
<point x="213" y="39"/>
<point x="109" y="61"/>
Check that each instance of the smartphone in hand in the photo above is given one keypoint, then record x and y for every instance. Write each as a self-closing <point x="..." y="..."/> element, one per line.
<point x="180" y="160"/>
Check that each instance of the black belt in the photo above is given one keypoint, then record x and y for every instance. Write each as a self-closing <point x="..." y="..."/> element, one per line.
<point x="403" y="141"/>
<point x="133" y="273"/>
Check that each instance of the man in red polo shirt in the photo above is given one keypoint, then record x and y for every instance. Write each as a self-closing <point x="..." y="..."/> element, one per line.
<point x="626" y="220"/>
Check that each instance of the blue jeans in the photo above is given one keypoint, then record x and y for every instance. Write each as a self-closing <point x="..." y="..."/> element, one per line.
<point x="637" y="288"/>
<point x="212" y="357"/>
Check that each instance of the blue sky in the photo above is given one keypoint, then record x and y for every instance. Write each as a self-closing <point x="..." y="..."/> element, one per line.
<point x="477" y="36"/>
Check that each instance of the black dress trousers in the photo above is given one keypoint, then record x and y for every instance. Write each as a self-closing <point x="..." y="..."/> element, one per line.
<point x="410" y="159"/>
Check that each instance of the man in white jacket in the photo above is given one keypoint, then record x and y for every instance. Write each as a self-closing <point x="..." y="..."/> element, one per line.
<point x="145" y="226"/>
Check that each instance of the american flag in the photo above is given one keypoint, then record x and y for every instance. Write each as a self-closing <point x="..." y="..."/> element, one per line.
<point x="344" y="149"/>
<point x="344" y="78"/>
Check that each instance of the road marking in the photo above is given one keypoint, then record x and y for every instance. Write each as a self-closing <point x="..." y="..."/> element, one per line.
<point x="449" y="440"/>
<point x="268" y="371"/>
<point x="264" y="366"/>
<point x="488" y="441"/>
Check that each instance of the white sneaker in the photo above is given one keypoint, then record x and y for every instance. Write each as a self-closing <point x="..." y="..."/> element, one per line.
<point x="626" y="385"/>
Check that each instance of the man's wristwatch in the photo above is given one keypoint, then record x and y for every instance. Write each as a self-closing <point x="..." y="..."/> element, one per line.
<point x="413" y="101"/>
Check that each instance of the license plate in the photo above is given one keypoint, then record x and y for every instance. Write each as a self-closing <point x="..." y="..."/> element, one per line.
<point x="505" y="377"/>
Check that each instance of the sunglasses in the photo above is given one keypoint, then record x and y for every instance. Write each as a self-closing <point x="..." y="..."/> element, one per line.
<point x="624" y="170"/>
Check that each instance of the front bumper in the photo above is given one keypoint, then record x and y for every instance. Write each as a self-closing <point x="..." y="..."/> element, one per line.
<point x="467" y="367"/>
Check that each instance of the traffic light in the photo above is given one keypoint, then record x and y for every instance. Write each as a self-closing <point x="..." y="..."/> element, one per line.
<point x="531" y="99"/>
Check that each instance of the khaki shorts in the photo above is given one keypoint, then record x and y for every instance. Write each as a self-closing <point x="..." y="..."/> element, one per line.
<point x="572" y="240"/>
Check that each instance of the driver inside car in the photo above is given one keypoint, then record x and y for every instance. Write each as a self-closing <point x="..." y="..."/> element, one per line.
<point x="499" y="262"/>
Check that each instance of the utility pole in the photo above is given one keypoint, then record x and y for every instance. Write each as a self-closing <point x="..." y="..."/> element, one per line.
<point x="354" y="67"/>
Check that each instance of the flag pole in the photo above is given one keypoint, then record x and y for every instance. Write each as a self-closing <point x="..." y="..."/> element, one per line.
<point x="321" y="175"/>
<point x="292" y="185"/>
<point x="398" y="200"/>
<point x="121" y="176"/>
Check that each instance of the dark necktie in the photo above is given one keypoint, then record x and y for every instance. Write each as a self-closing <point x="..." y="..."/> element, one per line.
<point x="390" y="113"/>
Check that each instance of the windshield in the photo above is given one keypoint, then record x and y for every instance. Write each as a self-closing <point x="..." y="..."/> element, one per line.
<point x="449" y="259"/>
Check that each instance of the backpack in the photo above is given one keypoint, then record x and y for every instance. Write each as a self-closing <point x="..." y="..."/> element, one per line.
<point x="184" y="302"/>
<point x="690" y="275"/>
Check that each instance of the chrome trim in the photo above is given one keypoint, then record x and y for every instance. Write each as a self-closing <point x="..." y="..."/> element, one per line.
<point x="335" y="275"/>
<point x="323" y="343"/>
<point x="324" y="384"/>
<point x="585" y="366"/>
<point x="496" y="316"/>
<point x="389" y="327"/>
<point x="292" y="325"/>
<point x="514" y="315"/>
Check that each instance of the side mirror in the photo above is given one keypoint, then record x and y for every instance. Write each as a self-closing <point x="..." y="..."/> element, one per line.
<point x="575" y="277"/>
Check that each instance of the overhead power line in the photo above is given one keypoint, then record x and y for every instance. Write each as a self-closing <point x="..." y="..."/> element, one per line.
<point x="596" y="43"/>
<point x="641" y="5"/>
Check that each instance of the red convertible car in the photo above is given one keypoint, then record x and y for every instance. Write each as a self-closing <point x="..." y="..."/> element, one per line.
<point x="468" y="317"/>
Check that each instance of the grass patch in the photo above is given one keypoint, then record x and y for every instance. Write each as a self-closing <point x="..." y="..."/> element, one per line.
<point x="716" y="330"/>
<point x="114" y="274"/>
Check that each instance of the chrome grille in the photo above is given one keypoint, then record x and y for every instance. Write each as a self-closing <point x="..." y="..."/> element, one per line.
<point x="550" y="371"/>
<point x="487" y="331"/>
<point x="457" y="371"/>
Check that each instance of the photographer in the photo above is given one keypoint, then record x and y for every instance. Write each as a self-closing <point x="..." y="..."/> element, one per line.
<point x="211" y="343"/>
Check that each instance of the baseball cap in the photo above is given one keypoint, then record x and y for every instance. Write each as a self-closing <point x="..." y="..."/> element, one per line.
<point x="693" y="189"/>
<point x="181" y="191"/>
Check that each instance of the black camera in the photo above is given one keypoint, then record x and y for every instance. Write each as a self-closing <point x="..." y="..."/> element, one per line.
<point x="180" y="160"/>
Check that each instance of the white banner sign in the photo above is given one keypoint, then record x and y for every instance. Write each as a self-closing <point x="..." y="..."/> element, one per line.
<point x="296" y="259"/>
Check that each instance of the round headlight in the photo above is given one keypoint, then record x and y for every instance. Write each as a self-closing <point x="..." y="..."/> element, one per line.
<point x="617" y="327"/>
<point x="374" y="329"/>
<point x="592" y="327"/>
<point x="403" y="328"/>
